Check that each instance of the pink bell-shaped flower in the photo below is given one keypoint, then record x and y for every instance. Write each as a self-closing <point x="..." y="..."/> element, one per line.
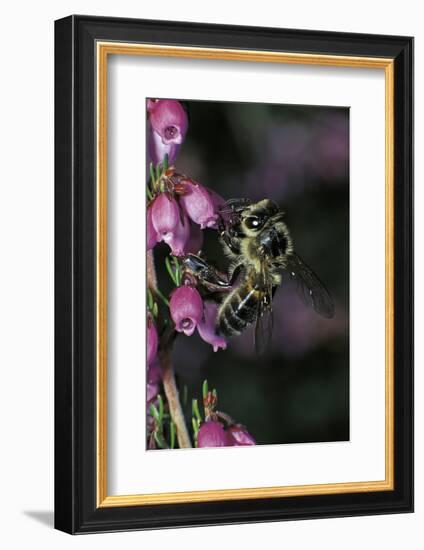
<point x="171" y="225"/>
<point x="198" y="204"/>
<point x="186" y="309"/>
<point x="152" y="236"/>
<point x="167" y="127"/>
<point x="212" y="434"/>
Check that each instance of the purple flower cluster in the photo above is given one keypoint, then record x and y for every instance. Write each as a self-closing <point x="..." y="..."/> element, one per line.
<point x="188" y="311"/>
<point x="177" y="216"/>
<point x="178" y="211"/>
<point x="213" y="434"/>
<point x="218" y="428"/>
<point x="180" y="207"/>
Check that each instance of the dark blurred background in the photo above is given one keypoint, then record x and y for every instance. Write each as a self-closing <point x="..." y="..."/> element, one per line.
<point x="298" y="391"/>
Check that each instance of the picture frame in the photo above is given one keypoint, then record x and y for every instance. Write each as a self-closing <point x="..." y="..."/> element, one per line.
<point x="83" y="45"/>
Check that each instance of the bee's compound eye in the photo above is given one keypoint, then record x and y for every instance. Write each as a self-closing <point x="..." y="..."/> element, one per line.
<point x="253" y="222"/>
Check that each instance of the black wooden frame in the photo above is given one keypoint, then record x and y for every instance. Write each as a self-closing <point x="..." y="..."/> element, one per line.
<point x="75" y="274"/>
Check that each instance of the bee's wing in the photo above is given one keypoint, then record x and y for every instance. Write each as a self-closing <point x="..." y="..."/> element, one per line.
<point x="263" y="330"/>
<point x="264" y="317"/>
<point x="310" y="288"/>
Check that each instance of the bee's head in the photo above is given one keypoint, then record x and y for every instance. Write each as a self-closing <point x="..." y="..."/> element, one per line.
<point x="258" y="216"/>
<point x="263" y="223"/>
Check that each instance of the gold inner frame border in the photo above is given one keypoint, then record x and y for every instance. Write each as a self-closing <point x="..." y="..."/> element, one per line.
<point x="103" y="50"/>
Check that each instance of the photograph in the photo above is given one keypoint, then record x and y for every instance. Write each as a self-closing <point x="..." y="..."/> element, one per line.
<point x="234" y="274"/>
<point x="247" y="260"/>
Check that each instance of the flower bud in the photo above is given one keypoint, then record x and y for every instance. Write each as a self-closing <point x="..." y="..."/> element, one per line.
<point x="199" y="205"/>
<point x="207" y="327"/>
<point x="152" y="237"/>
<point x="212" y="434"/>
<point x="186" y="309"/>
<point x="239" y="436"/>
<point x="152" y="340"/>
<point x="167" y="127"/>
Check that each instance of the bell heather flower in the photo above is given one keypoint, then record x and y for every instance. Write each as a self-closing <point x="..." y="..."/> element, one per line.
<point x="199" y="205"/>
<point x="165" y="215"/>
<point x="152" y="340"/>
<point x="212" y="434"/>
<point x="167" y="127"/>
<point x="171" y="225"/>
<point x="152" y="236"/>
<point x="239" y="436"/>
<point x="207" y="327"/>
<point x="218" y="201"/>
<point x="186" y="309"/>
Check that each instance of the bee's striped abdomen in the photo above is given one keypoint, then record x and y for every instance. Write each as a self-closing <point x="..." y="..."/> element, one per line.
<point x="239" y="309"/>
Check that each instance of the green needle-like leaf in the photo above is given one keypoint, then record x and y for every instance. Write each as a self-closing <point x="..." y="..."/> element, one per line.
<point x="155" y="310"/>
<point x="195" y="409"/>
<point x="162" y="297"/>
<point x="149" y="299"/>
<point x="160" y="402"/>
<point x="195" y="430"/>
<point x="155" y="413"/>
<point x="177" y="270"/>
<point x="205" y="389"/>
<point x="160" y="440"/>
<point x="170" y="270"/>
<point x="152" y="174"/>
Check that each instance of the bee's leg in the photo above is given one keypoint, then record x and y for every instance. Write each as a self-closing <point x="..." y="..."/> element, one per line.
<point x="226" y="238"/>
<point x="207" y="275"/>
<point x="234" y="272"/>
<point x="214" y="282"/>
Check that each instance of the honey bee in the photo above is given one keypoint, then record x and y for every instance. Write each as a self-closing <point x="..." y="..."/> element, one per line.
<point x="260" y="248"/>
